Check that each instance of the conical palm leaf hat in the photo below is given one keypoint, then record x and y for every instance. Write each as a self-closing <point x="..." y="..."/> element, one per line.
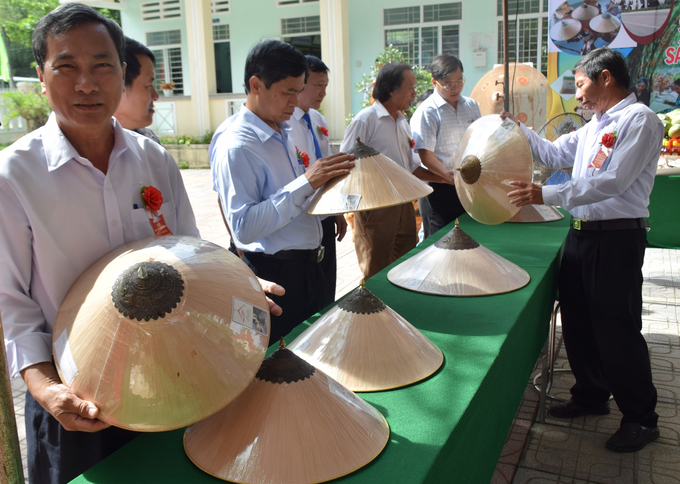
<point x="366" y="346"/>
<point x="457" y="265"/>
<point x="536" y="213"/>
<point x="605" y="23"/>
<point x="293" y="424"/>
<point x="161" y="332"/>
<point x="584" y="12"/>
<point x="375" y="182"/>
<point x="490" y="155"/>
<point x="565" y="29"/>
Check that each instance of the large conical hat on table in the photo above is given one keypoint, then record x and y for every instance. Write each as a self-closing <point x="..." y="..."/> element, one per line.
<point x="161" y="332"/>
<point x="457" y="265"/>
<point x="584" y="12"/>
<point x="490" y="155"/>
<point x="605" y="23"/>
<point x="374" y="182"/>
<point x="565" y="29"/>
<point x="293" y="424"/>
<point x="536" y="213"/>
<point x="366" y="346"/>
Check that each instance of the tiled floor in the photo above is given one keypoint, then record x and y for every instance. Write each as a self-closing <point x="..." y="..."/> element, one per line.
<point x="556" y="451"/>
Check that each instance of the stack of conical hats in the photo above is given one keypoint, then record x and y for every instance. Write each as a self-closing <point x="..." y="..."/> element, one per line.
<point x="147" y="335"/>
<point x="457" y="265"/>
<point x="565" y="29"/>
<point x="293" y="424"/>
<point x="374" y="182"/>
<point x="366" y="346"/>
<point x="605" y="23"/>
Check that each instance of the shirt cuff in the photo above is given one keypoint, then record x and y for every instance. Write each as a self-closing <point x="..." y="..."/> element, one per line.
<point x="28" y="350"/>
<point x="300" y="190"/>
<point x="550" y="196"/>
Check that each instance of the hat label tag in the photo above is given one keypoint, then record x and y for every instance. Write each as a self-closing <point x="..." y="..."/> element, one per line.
<point x="249" y="316"/>
<point x="65" y="360"/>
<point x="503" y="129"/>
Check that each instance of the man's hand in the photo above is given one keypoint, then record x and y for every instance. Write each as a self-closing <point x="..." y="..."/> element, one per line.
<point x="71" y="412"/>
<point x="340" y="227"/>
<point x="325" y="169"/>
<point x="528" y="194"/>
<point x="506" y="115"/>
<point x="272" y="288"/>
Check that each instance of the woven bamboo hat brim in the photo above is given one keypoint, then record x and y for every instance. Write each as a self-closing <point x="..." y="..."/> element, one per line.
<point x="536" y="213"/>
<point x="490" y="155"/>
<point x="161" y="332"/>
<point x="605" y="23"/>
<point x="456" y="265"/>
<point x="366" y="346"/>
<point x="565" y="29"/>
<point x="584" y="12"/>
<point x="293" y="424"/>
<point x="374" y="182"/>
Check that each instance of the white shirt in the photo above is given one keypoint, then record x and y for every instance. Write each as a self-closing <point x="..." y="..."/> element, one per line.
<point x="438" y="127"/>
<point x="621" y="187"/>
<point x="302" y="136"/>
<point x="59" y="214"/>
<point x="379" y="130"/>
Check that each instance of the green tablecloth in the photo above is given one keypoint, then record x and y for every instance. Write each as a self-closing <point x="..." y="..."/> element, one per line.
<point x="664" y="212"/>
<point x="451" y="427"/>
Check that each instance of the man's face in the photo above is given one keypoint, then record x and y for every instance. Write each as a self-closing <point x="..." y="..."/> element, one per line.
<point x="82" y="78"/>
<point x="450" y="87"/>
<point x="315" y="91"/>
<point x="592" y="95"/>
<point x="405" y="94"/>
<point x="136" y="106"/>
<point x="278" y="103"/>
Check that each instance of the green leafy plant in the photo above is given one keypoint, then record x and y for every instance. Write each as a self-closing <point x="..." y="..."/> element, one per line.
<point x="183" y="165"/>
<point x="187" y="140"/>
<point x="30" y="105"/>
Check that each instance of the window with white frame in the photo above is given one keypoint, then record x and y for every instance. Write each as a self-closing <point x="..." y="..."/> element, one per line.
<point x="303" y="33"/>
<point x="219" y="6"/>
<point x="161" y="10"/>
<point x="167" y="47"/>
<point x="527" y="32"/>
<point x="222" y="58"/>
<point x="422" y="32"/>
<point x="294" y="2"/>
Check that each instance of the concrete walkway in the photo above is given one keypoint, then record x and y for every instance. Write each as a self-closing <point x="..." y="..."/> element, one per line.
<point x="556" y="451"/>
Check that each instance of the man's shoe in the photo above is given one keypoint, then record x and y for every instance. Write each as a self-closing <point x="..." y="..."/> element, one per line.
<point x="569" y="409"/>
<point x="632" y="437"/>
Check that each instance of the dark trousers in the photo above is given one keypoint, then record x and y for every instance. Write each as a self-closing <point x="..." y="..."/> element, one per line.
<point x="439" y="208"/>
<point x="305" y="287"/>
<point x="329" y="264"/>
<point x="56" y="455"/>
<point x="600" y="287"/>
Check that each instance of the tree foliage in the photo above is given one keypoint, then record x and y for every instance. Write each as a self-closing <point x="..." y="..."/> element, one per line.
<point x="31" y="105"/>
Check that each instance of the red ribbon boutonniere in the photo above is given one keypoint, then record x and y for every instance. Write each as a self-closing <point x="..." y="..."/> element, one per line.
<point x="411" y="143"/>
<point x="323" y="131"/>
<point x="153" y="201"/>
<point x="608" y="139"/>
<point x="303" y="158"/>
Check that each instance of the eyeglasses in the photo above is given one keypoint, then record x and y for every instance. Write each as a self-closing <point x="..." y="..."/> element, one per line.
<point x="449" y="86"/>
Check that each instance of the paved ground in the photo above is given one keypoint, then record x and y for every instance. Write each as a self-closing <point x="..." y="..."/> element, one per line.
<point x="555" y="451"/>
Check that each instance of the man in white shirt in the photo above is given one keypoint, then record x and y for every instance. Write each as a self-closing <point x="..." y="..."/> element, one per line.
<point x="70" y="193"/>
<point x="438" y="125"/>
<point x="382" y="236"/>
<point x="310" y="135"/>
<point x="614" y="159"/>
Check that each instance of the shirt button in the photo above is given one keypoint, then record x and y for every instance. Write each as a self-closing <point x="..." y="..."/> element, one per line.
<point x="107" y="186"/>
<point x="114" y="223"/>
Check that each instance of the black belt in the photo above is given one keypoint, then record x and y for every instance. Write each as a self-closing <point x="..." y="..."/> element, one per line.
<point x="314" y="255"/>
<point x="614" y="224"/>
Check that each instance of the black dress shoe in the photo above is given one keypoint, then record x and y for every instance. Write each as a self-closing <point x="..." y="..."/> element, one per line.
<point x="632" y="437"/>
<point x="569" y="409"/>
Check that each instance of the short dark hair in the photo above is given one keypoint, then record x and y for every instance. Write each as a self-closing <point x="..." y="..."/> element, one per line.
<point x="389" y="79"/>
<point x="444" y="65"/>
<point x="134" y="48"/>
<point x="316" y="65"/>
<point x="64" y="18"/>
<point x="596" y="61"/>
<point x="677" y="81"/>
<point x="272" y="61"/>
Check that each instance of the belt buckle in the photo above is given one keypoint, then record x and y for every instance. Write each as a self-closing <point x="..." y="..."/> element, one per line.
<point x="320" y="253"/>
<point x="576" y="224"/>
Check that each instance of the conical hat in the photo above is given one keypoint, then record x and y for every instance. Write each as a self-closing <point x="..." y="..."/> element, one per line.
<point x="565" y="29"/>
<point x="584" y="12"/>
<point x="161" y="332"/>
<point x="293" y="424"/>
<point x="490" y="155"/>
<point x="605" y="23"/>
<point x="457" y="265"/>
<point x="536" y="213"/>
<point x="374" y="182"/>
<point x="366" y="346"/>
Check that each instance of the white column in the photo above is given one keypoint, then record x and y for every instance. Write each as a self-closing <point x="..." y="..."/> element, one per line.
<point x="335" y="54"/>
<point x="201" y="60"/>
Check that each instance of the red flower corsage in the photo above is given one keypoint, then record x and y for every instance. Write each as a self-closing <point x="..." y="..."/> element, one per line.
<point x="608" y="139"/>
<point x="303" y="158"/>
<point x="411" y="143"/>
<point x="323" y="131"/>
<point x="152" y="197"/>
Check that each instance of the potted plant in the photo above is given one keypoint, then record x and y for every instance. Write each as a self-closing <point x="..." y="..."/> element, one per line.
<point x="167" y="88"/>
